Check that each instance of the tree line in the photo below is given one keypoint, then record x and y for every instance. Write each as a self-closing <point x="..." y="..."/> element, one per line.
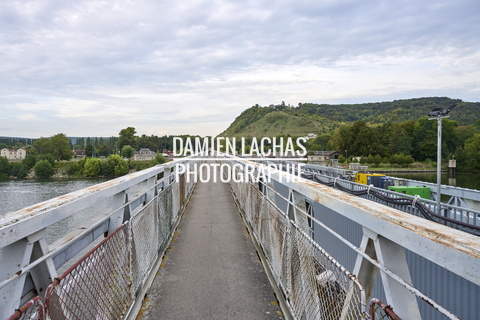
<point x="391" y="142"/>
<point x="45" y="155"/>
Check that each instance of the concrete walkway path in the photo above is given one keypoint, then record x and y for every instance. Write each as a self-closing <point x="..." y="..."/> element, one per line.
<point x="211" y="270"/>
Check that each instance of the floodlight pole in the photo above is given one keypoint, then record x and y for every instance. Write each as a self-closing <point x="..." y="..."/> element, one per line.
<point x="439" y="163"/>
<point x="439" y="118"/>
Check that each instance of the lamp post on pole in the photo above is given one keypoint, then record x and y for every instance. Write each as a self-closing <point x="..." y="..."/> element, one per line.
<point x="346" y="157"/>
<point x="438" y="114"/>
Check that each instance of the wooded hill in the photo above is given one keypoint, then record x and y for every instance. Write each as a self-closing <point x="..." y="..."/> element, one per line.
<point x="307" y="118"/>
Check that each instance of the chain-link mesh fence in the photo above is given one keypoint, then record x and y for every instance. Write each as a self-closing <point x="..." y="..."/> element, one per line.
<point x="144" y="235"/>
<point x="314" y="284"/>
<point x="32" y="310"/>
<point x="97" y="286"/>
<point x="103" y="284"/>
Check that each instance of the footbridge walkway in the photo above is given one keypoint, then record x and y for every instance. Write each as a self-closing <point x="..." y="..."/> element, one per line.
<point x="217" y="238"/>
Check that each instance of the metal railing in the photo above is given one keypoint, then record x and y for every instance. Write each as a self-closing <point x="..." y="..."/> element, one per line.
<point x="313" y="284"/>
<point x="460" y="218"/>
<point x="376" y="242"/>
<point x="109" y="282"/>
<point x="310" y="236"/>
<point x="461" y="197"/>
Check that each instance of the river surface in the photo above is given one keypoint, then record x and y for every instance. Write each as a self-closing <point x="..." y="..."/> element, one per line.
<point x="18" y="194"/>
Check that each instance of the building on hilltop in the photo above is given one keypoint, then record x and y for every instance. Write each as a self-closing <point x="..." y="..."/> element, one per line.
<point x="144" y="154"/>
<point x="310" y="136"/>
<point x="322" y="156"/>
<point x="12" y="154"/>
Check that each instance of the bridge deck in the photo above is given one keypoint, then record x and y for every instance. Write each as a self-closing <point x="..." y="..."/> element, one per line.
<point x="211" y="270"/>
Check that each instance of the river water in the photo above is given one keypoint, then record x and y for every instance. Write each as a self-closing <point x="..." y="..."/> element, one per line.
<point x="18" y="194"/>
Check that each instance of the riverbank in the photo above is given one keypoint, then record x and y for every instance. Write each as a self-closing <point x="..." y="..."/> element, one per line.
<point x="80" y="169"/>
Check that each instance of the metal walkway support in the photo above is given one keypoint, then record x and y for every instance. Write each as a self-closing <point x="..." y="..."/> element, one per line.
<point x="310" y="238"/>
<point x="137" y="229"/>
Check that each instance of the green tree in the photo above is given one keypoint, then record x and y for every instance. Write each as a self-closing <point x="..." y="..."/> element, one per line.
<point x="48" y="156"/>
<point x="107" y="168"/>
<point x="43" y="169"/>
<point x="425" y="138"/>
<point x="44" y="146"/>
<point x="113" y="166"/>
<point x="103" y="150"/>
<point x="18" y="170"/>
<point x="89" y="149"/>
<point x="407" y="160"/>
<point x="121" y="168"/>
<point x="356" y="138"/>
<point x="29" y="161"/>
<point x="159" y="159"/>
<point x="5" y="168"/>
<point x="59" y="146"/>
<point x="145" y="141"/>
<point x="376" y="160"/>
<point x="127" y="151"/>
<point x="92" y="167"/>
<point x="401" y="138"/>
<point x="73" y="168"/>
<point x="127" y="137"/>
<point x="62" y="147"/>
<point x="472" y="153"/>
<point x="81" y="144"/>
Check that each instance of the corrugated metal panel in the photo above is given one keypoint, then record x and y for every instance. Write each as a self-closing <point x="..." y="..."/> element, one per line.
<point x="453" y="292"/>
<point x="448" y="289"/>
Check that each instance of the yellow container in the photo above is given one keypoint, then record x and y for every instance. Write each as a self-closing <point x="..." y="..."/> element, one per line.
<point x="363" y="177"/>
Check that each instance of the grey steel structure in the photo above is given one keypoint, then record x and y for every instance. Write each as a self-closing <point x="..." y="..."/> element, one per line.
<point x="311" y="237"/>
<point x="461" y="197"/>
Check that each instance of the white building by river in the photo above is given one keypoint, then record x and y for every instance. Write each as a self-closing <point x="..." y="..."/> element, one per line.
<point x="12" y="154"/>
<point x="144" y="154"/>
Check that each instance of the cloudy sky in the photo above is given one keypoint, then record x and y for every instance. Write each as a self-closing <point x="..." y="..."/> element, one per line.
<point x="92" y="68"/>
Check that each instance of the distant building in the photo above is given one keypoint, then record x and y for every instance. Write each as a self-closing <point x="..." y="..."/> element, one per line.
<point x="322" y="156"/>
<point x="167" y="153"/>
<point x="144" y="154"/>
<point x="12" y="154"/>
<point x="310" y="136"/>
<point x="80" y="154"/>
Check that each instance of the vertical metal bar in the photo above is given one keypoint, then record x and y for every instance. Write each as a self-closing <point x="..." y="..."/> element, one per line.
<point x="44" y="273"/>
<point x="392" y="256"/>
<point x="365" y="271"/>
<point x="297" y="202"/>
<point x="439" y="163"/>
<point x="151" y="182"/>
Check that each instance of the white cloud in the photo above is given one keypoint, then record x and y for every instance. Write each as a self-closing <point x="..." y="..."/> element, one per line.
<point x="95" y="67"/>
